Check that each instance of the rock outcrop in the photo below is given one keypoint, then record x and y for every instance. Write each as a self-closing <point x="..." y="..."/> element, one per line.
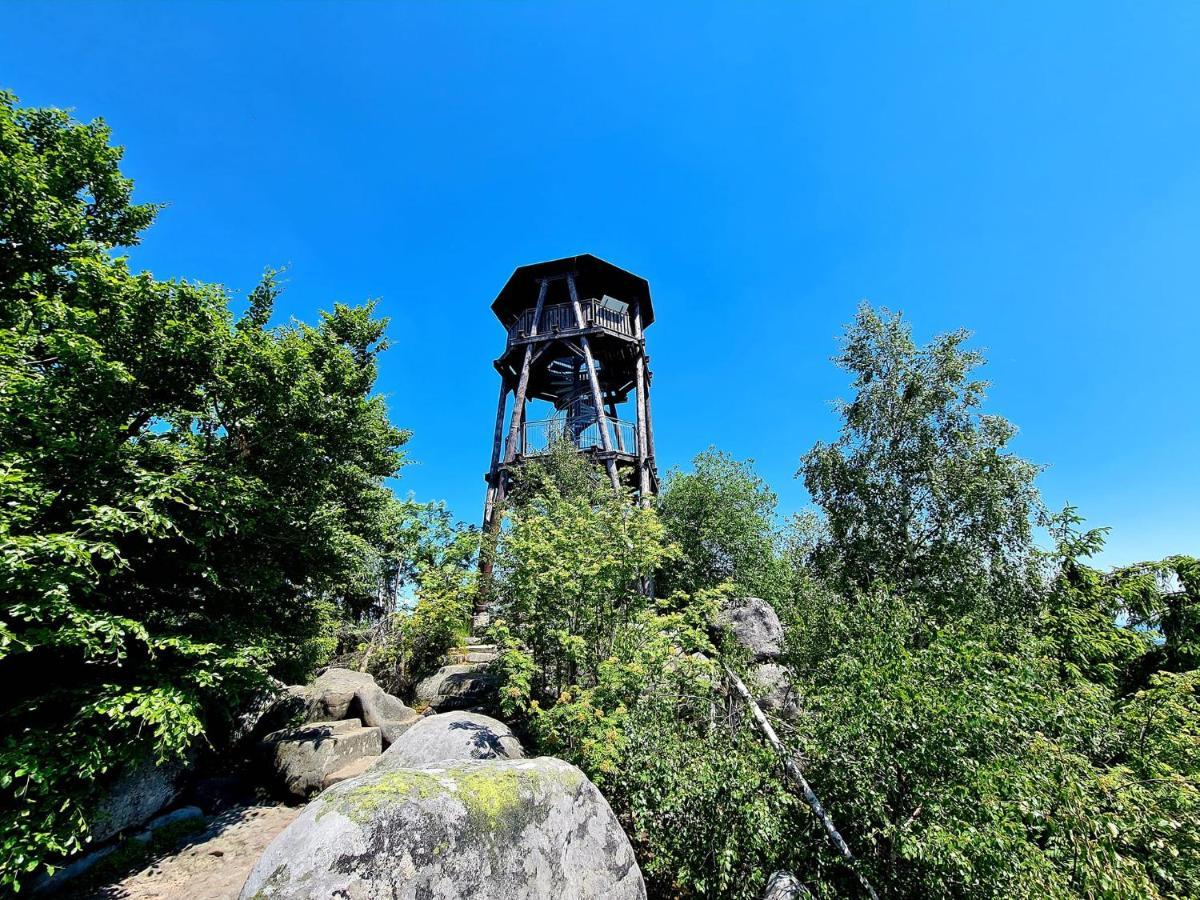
<point x="302" y="759"/>
<point x="451" y="736"/>
<point x="755" y="625"/>
<point x="340" y="694"/>
<point x="136" y="795"/>
<point x="534" y="829"/>
<point x="462" y="686"/>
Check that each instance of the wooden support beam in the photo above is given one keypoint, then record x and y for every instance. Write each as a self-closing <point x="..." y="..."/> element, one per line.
<point x="510" y="450"/>
<point x="650" y="457"/>
<point x="542" y="350"/>
<point x="494" y="476"/>
<point x="640" y="388"/>
<point x="597" y="398"/>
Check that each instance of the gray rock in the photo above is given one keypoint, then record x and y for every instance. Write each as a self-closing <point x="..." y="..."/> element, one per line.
<point x="350" y="770"/>
<point x="302" y="758"/>
<point x="136" y="795"/>
<point x="391" y="731"/>
<point x="52" y="884"/>
<point x="379" y="709"/>
<point x="339" y="694"/>
<point x="775" y="690"/>
<point x="754" y="625"/>
<point x="452" y="736"/>
<point x="176" y="815"/>
<point x="515" y="829"/>
<point x="331" y="695"/>
<point x="784" y="886"/>
<point x="467" y="686"/>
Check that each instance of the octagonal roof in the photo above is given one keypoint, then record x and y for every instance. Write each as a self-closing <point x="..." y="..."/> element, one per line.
<point x="593" y="278"/>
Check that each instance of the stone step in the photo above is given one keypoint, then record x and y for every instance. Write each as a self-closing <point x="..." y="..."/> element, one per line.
<point x="472" y="655"/>
<point x="350" y="770"/>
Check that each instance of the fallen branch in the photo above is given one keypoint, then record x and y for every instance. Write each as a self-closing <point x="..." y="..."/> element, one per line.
<point x="793" y="770"/>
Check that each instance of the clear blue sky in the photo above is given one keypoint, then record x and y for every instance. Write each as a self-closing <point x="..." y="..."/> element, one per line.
<point x="1028" y="170"/>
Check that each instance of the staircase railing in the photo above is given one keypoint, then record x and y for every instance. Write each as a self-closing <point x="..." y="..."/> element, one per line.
<point x="538" y="437"/>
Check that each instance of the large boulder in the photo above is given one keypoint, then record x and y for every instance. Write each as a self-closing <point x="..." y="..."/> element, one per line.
<point x="466" y="686"/>
<point x="136" y="794"/>
<point x="513" y="829"/>
<point x="301" y="759"/>
<point x="775" y="690"/>
<point x="754" y="625"/>
<point x="340" y="694"/>
<point x="451" y="736"/>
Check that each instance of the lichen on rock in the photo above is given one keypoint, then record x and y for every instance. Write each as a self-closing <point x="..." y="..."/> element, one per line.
<point x="471" y="828"/>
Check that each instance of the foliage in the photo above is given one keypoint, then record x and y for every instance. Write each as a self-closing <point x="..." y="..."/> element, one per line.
<point x="1163" y="598"/>
<point x="966" y="763"/>
<point x="186" y="498"/>
<point x="570" y="566"/>
<point x="722" y="517"/>
<point x="703" y="802"/>
<point x="1084" y="613"/>
<point x="628" y="687"/>
<point x="919" y="492"/>
<point x="983" y="718"/>
<point x="436" y="571"/>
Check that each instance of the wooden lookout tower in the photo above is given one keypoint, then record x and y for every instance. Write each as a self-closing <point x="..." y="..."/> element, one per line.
<point x="574" y="359"/>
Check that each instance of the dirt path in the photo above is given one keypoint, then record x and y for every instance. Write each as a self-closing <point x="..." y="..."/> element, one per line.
<point x="210" y="865"/>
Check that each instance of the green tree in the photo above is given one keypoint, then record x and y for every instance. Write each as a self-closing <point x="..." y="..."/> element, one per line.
<point x="571" y="562"/>
<point x="721" y="515"/>
<point x="186" y="497"/>
<point x="428" y="608"/>
<point x="919" y="492"/>
<point x="984" y="718"/>
<point x="629" y="687"/>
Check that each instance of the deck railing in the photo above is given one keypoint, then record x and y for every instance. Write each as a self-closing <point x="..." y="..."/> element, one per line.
<point x="539" y="436"/>
<point x="561" y="317"/>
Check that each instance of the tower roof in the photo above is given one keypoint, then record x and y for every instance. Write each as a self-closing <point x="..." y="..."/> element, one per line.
<point x="593" y="278"/>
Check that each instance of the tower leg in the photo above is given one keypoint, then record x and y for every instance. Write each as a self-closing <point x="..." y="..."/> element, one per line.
<point x="510" y="450"/>
<point x="493" y="486"/>
<point x="640" y="388"/>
